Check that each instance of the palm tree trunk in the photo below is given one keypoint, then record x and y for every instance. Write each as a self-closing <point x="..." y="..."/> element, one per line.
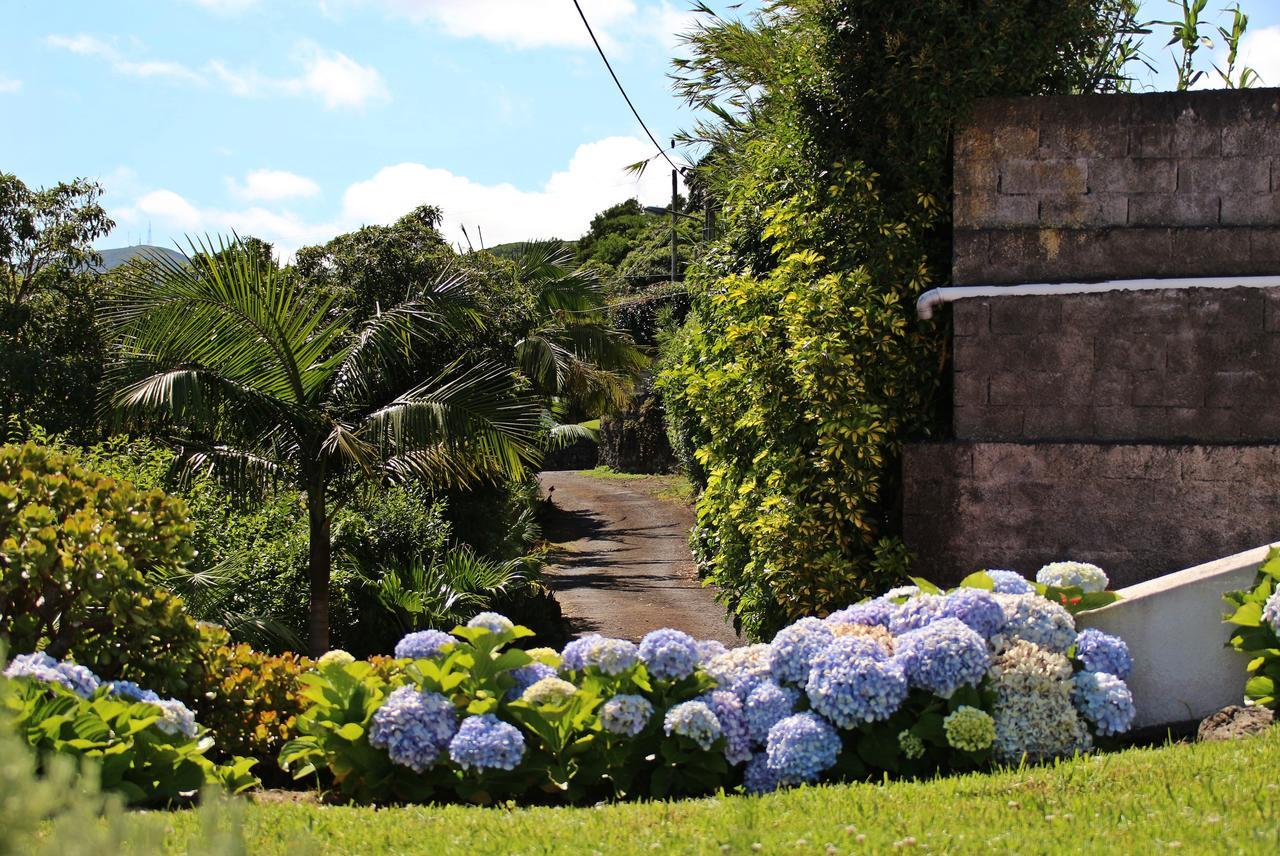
<point x="320" y="564"/>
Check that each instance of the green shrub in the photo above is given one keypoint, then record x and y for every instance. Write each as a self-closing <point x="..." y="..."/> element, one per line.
<point x="250" y="701"/>
<point x="804" y="370"/>
<point x="78" y="552"/>
<point x="913" y="683"/>
<point x="567" y="756"/>
<point x="1255" y="612"/>
<point x="140" y="752"/>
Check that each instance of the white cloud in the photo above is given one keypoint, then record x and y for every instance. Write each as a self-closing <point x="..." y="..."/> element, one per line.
<point x="521" y="23"/>
<point x="1260" y="50"/>
<point x="330" y="76"/>
<point x="273" y="184"/>
<point x="668" y="23"/>
<point x="594" y="179"/>
<point x="9" y="84"/>
<point x="338" y="80"/>
<point x="86" y="45"/>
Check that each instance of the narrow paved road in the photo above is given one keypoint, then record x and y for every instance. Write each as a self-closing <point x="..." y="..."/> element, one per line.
<point x="624" y="567"/>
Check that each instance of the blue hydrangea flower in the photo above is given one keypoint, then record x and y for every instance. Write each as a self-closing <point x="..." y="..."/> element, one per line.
<point x="81" y="679"/>
<point x="916" y="612"/>
<point x="422" y="645"/>
<point x="1088" y="577"/>
<point x="794" y="648"/>
<point x="486" y="743"/>
<point x="493" y="622"/>
<point x="610" y="656"/>
<point x="875" y="612"/>
<point x="758" y="777"/>
<point x="177" y="719"/>
<point x="42" y="667"/>
<point x="1104" y="700"/>
<point x="625" y="714"/>
<point x="733" y="724"/>
<point x="413" y="727"/>
<point x="709" y="649"/>
<point x="1102" y="652"/>
<point x="1032" y="618"/>
<point x="669" y="654"/>
<point x="130" y="690"/>
<point x="943" y="656"/>
<point x="767" y="704"/>
<point x="853" y="681"/>
<point x="976" y="608"/>
<point x="574" y="656"/>
<point x="1010" y="582"/>
<point x="1271" y="612"/>
<point x="695" y="720"/>
<point x="527" y="676"/>
<point x="801" y="747"/>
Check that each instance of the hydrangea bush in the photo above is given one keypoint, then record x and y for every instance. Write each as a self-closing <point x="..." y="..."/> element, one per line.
<point x="149" y="749"/>
<point x="1255" y="612"/>
<point x="913" y="682"/>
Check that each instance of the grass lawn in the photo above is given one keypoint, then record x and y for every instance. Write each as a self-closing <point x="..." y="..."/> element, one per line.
<point x="675" y="488"/>
<point x="1219" y="798"/>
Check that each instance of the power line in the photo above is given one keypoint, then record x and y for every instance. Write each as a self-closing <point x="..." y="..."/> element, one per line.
<point x="614" y="75"/>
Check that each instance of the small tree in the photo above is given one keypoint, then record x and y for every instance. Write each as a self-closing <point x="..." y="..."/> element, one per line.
<point x="261" y="383"/>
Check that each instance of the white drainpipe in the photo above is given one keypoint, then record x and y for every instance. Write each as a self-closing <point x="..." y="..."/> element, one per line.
<point x="930" y="300"/>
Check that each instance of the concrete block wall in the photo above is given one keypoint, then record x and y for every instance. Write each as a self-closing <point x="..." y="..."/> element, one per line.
<point x="1137" y="510"/>
<point x="1079" y="188"/>
<point x="1200" y="365"/>
<point x="1138" y="430"/>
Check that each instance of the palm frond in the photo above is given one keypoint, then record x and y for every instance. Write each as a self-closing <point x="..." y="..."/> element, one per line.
<point x="478" y="413"/>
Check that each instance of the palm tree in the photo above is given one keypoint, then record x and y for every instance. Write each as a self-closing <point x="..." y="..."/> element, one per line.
<point x="263" y="384"/>
<point x="571" y="353"/>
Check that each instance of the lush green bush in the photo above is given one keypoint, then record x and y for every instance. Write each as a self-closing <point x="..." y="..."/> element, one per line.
<point x="805" y="370"/>
<point x="147" y="749"/>
<point x="1255" y="612"/>
<point x="78" y="556"/>
<point x="250" y="701"/>
<point x="249" y="561"/>
<point x="914" y="683"/>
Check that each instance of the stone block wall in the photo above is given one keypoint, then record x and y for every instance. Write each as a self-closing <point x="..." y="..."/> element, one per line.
<point x="1080" y="188"/>
<point x="1136" y="429"/>
<point x="1138" y="510"/>
<point x="1199" y="365"/>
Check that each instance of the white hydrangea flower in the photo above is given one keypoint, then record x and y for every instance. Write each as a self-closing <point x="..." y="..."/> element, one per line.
<point x="1083" y="575"/>
<point x="1034" y="716"/>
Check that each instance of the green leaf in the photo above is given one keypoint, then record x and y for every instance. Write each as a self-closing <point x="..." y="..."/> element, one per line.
<point x="1248" y="615"/>
<point x="979" y="580"/>
<point x="351" y="731"/>
<point x="925" y="586"/>
<point x="1271" y="565"/>
<point x="1259" y="687"/>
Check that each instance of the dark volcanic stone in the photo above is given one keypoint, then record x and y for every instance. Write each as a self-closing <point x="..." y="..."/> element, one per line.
<point x="1234" y="722"/>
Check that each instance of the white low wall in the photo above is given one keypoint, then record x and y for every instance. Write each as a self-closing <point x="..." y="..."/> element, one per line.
<point x="1174" y="628"/>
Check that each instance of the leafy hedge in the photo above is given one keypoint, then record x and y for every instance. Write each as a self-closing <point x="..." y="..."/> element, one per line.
<point x="805" y="369"/>
<point x="79" y="554"/>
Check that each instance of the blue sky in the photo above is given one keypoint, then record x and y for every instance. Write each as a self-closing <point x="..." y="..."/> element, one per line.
<point x="296" y="120"/>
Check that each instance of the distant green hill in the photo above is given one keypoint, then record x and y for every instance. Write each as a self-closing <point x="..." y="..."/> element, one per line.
<point x="117" y="256"/>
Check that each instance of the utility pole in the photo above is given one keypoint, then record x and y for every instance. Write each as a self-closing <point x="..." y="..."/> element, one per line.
<point x="675" y="259"/>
